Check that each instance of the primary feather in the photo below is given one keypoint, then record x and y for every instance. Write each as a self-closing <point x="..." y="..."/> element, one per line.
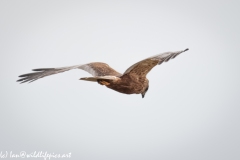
<point x="95" y="69"/>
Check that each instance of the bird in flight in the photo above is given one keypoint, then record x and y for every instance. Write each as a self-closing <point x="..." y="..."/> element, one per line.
<point x="132" y="81"/>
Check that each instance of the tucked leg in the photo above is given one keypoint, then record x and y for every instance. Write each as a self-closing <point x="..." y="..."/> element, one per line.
<point x="102" y="82"/>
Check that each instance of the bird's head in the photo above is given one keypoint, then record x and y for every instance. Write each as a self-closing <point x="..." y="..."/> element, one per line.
<point x="145" y="91"/>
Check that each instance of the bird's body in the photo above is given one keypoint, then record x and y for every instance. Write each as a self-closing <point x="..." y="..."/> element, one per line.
<point x="128" y="84"/>
<point x="132" y="81"/>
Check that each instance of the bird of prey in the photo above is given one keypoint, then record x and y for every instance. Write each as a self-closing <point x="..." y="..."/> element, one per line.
<point x="132" y="81"/>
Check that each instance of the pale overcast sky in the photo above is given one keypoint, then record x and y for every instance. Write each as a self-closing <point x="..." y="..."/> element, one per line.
<point x="190" y="112"/>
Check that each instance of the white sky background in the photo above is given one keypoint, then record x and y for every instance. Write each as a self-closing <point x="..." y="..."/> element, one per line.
<point x="191" y="110"/>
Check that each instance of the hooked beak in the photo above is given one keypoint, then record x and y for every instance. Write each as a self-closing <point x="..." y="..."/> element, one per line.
<point x="143" y="93"/>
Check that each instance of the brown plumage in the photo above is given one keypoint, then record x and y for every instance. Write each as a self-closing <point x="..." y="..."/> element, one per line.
<point x="132" y="81"/>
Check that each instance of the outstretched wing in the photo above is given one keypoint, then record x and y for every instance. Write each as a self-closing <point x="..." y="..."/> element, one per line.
<point x="95" y="69"/>
<point x="143" y="67"/>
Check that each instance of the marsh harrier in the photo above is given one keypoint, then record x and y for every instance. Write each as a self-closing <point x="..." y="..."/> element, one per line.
<point x="132" y="81"/>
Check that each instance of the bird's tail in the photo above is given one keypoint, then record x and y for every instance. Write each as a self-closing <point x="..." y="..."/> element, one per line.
<point x="95" y="79"/>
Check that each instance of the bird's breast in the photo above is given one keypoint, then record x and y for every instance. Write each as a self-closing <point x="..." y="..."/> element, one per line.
<point x="127" y="86"/>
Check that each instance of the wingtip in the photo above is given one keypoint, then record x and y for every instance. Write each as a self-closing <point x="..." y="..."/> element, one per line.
<point x="186" y="49"/>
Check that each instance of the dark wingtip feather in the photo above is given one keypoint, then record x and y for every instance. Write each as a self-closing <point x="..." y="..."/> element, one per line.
<point x="21" y="75"/>
<point x="186" y="49"/>
<point x="25" y="75"/>
<point x="42" y="69"/>
<point x="22" y="79"/>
